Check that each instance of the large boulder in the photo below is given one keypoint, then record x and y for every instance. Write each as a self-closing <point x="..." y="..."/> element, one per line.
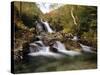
<point x="72" y="45"/>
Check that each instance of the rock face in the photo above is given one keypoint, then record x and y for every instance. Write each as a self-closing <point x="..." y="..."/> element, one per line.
<point x="53" y="50"/>
<point x="73" y="45"/>
<point x="48" y="38"/>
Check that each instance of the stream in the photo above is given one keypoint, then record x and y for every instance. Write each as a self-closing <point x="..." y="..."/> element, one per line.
<point x="40" y="49"/>
<point x="43" y="58"/>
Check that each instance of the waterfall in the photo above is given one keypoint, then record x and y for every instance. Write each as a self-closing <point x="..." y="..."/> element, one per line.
<point x="42" y="50"/>
<point x="45" y="50"/>
<point x="38" y="48"/>
<point x="47" y="27"/>
<point x="59" y="45"/>
<point x="86" y="48"/>
<point x="61" y="49"/>
<point x="43" y="26"/>
<point x="57" y="50"/>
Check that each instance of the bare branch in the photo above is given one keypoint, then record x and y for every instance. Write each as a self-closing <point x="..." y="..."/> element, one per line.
<point x="74" y="20"/>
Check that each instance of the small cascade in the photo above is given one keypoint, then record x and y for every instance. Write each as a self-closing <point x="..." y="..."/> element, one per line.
<point x="86" y="48"/>
<point x="59" y="45"/>
<point x="61" y="49"/>
<point x="43" y="26"/>
<point x="38" y="46"/>
<point x="47" y="27"/>
<point x="39" y="49"/>
<point x="57" y="50"/>
<point x="42" y="50"/>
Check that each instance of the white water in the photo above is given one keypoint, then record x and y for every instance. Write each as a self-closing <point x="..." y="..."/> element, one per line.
<point x="38" y="48"/>
<point x="46" y="53"/>
<point x="47" y="26"/>
<point x="75" y="38"/>
<point x="42" y="51"/>
<point x="61" y="48"/>
<point x="45" y="50"/>
<point x="40" y="27"/>
<point x="86" y="48"/>
<point x="58" y="45"/>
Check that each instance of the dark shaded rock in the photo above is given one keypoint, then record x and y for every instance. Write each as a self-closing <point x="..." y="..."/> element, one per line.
<point x="53" y="50"/>
<point x="39" y="44"/>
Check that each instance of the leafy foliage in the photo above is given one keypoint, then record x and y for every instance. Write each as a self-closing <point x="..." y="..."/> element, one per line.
<point x="28" y="12"/>
<point x="85" y="16"/>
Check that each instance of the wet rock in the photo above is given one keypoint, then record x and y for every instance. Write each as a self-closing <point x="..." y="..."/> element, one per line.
<point x="72" y="45"/>
<point x="52" y="49"/>
<point x="60" y="36"/>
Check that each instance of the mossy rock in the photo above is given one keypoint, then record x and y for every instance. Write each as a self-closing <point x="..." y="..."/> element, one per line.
<point x="72" y="45"/>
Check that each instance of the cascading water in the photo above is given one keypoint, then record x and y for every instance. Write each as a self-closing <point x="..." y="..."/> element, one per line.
<point x="42" y="50"/>
<point x="38" y="48"/>
<point x="86" y="48"/>
<point x="47" y="27"/>
<point x="45" y="50"/>
<point x="43" y="26"/>
<point x="61" y="49"/>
